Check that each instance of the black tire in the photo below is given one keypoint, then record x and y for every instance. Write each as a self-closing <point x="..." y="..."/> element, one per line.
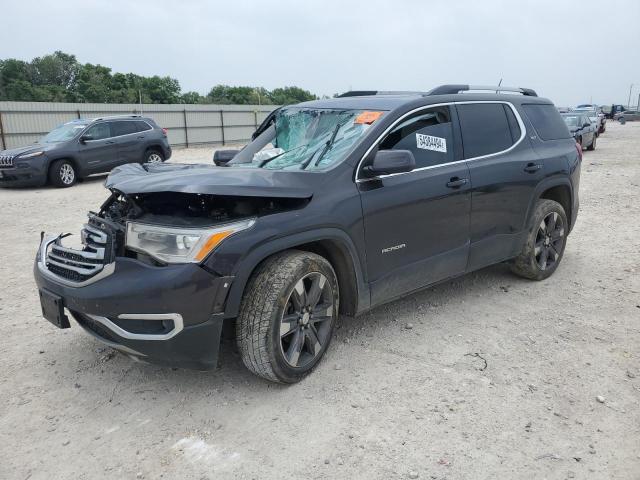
<point x="543" y="250"/>
<point x="153" y="156"/>
<point x="62" y="174"/>
<point x="592" y="147"/>
<point x="270" y="321"/>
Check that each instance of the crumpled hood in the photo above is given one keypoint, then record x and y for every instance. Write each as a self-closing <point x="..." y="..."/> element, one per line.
<point x="134" y="178"/>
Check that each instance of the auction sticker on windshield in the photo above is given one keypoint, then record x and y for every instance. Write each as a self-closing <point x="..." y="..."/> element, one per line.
<point x="367" y="117"/>
<point x="427" y="142"/>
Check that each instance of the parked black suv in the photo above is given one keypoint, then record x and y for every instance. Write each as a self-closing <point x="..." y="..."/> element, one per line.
<point x="335" y="207"/>
<point x="84" y="147"/>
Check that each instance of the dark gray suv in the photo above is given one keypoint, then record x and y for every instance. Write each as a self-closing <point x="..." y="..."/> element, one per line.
<point x="83" y="147"/>
<point x="337" y="206"/>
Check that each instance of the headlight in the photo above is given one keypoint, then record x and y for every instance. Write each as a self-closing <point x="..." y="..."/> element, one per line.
<point x="30" y="155"/>
<point x="177" y="244"/>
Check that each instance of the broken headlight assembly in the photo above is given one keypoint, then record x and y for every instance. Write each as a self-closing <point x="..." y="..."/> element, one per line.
<point x="180" y="244"/>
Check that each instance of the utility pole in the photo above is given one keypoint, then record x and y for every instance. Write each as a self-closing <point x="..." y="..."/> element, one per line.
<point x="629" y="101"/>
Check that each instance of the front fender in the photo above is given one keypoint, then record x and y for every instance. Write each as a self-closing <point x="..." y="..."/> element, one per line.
<point x="250" y="262"/>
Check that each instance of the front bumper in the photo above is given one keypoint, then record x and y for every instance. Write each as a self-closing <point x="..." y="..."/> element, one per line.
<point x="117" y="308"/>
<point x="23" y="175"/>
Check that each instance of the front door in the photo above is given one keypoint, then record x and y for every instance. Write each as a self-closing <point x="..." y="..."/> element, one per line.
<point x="417" y="223"/>
<point x="98" y="153"/>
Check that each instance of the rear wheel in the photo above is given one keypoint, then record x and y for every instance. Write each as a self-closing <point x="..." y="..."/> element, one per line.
<point x="153" y="156"/>
<point x="287" y="316"/>
<point x="545" y="242"/>
<point x="62" y="174"/>
<point x="579" y="141"/>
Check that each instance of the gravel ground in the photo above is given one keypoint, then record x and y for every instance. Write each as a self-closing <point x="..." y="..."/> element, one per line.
<point x="486" y="376"/>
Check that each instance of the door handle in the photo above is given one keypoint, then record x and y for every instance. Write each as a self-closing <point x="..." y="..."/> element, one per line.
<point x="110" y="142"/>
<point x="532" y="167"/>
<point x="140" y="137"/>
<point x="456" y="182"/>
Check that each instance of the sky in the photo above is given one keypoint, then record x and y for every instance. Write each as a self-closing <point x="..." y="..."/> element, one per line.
<point x="569" y="51"/>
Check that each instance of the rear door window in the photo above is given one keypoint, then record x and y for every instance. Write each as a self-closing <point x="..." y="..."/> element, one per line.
<point x="123" y="127"/>
<point x="513" y="123"/>
<point x="547" y="121"/>
<point x="485" y="129"/>
<point x="428" y="134"/>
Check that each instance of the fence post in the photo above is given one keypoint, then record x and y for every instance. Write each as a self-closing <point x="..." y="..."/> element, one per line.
<point x="78" y="113"/>
<point x="4" y="142"/>
<point x="222" y="125"/>
<point x="186" y="129"/>
<point x="255" y="118"/>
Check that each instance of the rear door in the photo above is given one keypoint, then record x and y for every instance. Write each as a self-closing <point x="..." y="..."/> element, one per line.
<point x="504" y="172"/>
<point x="130" y="140"/>
<point x="99" y="153"/>
<point x="417" y="223"/>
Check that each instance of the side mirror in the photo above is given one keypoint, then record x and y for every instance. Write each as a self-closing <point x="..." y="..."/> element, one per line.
<point x="391" y="161"/>
<point x="222" y="157"/>
<point x="586" y="125"/>
<point x="85" y="138"/>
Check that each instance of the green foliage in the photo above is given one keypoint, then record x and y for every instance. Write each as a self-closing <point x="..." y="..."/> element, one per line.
<point x="59" y="77"/>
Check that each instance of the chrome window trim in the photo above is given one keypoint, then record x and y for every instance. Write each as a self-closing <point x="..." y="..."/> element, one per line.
<point x="178" y="325"/>
<point x="116" y="136"/>
<point x="523" y="133"/>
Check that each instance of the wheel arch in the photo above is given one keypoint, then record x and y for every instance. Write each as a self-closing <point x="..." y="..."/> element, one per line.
<point x="156" y="147"/>
<point x="559" y="190"/>
<point x="80" y="172"/>
<point x="332" y="244"/>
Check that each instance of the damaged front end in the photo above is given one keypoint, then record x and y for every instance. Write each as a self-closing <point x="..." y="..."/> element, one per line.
<point x="138" y="281"/>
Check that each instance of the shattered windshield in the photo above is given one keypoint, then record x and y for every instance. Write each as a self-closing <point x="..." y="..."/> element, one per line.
<point x="306" y="139"/>
<point x="63" y="132"/>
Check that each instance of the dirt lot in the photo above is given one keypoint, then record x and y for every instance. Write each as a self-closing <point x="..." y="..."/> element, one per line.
<point x="404" y="392"/>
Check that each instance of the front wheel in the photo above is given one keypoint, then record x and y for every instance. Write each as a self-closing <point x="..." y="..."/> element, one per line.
<point x="593" y="144"/>
<point x="287" y="316"/>
<point x="62" y="174"/>
<point x="546" y="239"/>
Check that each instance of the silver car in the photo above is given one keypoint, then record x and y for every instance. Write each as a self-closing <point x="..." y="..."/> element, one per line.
<point x="629" y="116"/>
<point x="595" y="116"/>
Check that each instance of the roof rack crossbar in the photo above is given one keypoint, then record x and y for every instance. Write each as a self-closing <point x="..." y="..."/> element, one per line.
<point x="457" y="88"/>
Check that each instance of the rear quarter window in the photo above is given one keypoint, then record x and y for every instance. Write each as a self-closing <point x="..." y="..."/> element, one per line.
<point x="547" y="121"/>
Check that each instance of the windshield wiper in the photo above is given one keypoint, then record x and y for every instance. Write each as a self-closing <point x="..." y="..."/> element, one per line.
<point x="325" y="149"/>
<point x="267" y="160"/>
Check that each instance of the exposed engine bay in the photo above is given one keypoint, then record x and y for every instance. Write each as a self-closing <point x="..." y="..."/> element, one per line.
<point x="190" y="209"/>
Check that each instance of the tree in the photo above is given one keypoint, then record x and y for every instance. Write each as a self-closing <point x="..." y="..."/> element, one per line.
<point x="288" y="95"/>
<point x="192" y="97"/>
<point x="59" y="77"/>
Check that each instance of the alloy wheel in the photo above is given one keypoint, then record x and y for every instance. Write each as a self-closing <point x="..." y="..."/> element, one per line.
<point x="305" y="326"/>
<point x="154" y="158"/>
<point x="549" y="241"/>
<point x="67" y="174"/>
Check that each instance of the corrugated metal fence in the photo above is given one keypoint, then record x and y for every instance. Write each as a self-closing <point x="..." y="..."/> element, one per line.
<point x="22" y="123"/>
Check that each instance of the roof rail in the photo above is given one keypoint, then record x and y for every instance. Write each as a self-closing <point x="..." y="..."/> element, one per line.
<point x="366" y="93"/>
<point x="117" y="116"/>
<point x="454" y="88"/>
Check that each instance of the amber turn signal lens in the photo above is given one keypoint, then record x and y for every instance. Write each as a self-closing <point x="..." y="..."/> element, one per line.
<point x="213" y="241"/>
